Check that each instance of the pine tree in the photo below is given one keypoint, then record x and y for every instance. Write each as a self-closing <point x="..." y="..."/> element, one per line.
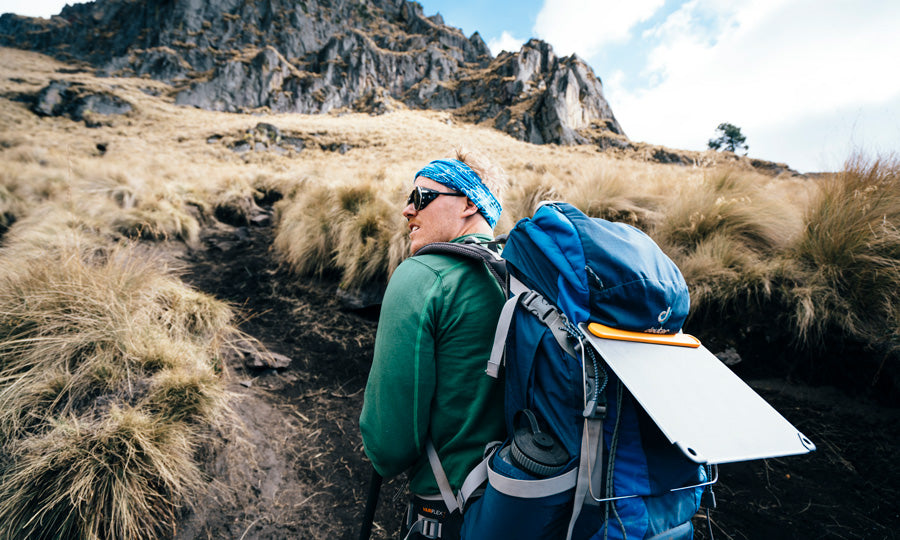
<point x="729" y="139"/>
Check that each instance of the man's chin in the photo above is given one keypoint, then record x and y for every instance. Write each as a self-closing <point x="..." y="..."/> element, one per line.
<point x="416" y="244"/>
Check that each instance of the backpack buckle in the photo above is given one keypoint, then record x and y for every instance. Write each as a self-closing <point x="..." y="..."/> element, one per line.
<point x="594" y="411"/>
<point x="431" y="529"/>
<point x="538" y="305"/>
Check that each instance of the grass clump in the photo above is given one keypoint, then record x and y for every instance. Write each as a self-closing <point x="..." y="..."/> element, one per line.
<point x="235" y="203"/>
<point x="610" y="194"/>
<point x="609" y="190"/>
<point x="109" y="373"/>
<point x="156" y="212"/>
<point x="730" y="204"/>
<point x="848" y="254"/>
<point x="307" y="231"/>
<point x="354" y="230"/>
<point x="372" y="238"/>
<point x="727" y="233"/>
<point x="114" y="477"/>
<point x="22" y="187"/>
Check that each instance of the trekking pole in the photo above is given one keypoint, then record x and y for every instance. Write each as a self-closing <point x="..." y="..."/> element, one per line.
<point x="369" y="515"/>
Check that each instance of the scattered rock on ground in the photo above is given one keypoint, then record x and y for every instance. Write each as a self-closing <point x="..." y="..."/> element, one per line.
<point x="729" y="356"/>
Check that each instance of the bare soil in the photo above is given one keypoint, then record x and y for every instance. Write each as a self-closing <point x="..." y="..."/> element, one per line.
<point x="293" y="467"/>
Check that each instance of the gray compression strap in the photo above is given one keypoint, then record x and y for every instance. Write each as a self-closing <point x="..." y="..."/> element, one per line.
<point x="532" y="489"/>
<point x="552" y="318"/>
<point x="588" y="468"/>
<point x="441" y="477"/>
<point x="516" y="287"/>
<point x="473" y="481"/>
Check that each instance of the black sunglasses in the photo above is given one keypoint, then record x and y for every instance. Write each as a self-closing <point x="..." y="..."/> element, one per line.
<point x="422" y="197"/>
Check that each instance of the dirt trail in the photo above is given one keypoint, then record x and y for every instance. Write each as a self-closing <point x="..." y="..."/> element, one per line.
<point x="297" y="470"/>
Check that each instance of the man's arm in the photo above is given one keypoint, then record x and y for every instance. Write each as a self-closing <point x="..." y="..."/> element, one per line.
<point x="395" y="415"/>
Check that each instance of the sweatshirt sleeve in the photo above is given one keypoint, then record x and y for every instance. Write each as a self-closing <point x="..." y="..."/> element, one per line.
<point x="397" y="403"/>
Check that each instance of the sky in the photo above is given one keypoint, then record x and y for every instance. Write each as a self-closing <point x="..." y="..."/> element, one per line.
<point x="809" y="82"/>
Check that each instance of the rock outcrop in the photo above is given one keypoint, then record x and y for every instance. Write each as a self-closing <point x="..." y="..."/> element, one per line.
<point x="315" y="56"/>
<point x="539" y="97"/>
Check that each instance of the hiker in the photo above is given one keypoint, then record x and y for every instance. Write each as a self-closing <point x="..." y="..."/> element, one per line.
<point x="427" y="384"/>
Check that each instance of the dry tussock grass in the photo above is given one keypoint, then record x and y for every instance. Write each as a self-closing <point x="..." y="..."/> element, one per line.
<point x="847" y="254"/>
<point x="111" y="477"/>
<point x="351" y="228"/>
<point x="109" y="370"/>
<point x="606" y="188"/>
<point x="733" y="205"/>
<point x="727" y="231"/>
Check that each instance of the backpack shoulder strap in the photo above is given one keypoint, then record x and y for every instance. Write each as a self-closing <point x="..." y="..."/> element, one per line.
<point x="531" y="301"/>
<point x="473" y="250"/>
<point x="497" y="267"/>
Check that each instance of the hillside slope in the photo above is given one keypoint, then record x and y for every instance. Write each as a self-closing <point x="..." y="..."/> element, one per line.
<point x="316" y="56"/>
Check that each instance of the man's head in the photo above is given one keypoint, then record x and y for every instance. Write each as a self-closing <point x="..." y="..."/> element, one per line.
<point x="453" y="198"/>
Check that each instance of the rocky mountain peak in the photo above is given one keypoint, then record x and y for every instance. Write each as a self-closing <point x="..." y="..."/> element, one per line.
<point x="314" y="56"/>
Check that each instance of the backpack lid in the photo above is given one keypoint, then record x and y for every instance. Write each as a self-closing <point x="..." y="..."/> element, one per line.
<point x="598" y="271"/>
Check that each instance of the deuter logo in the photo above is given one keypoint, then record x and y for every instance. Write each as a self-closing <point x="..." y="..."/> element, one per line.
<point x="664" y="316"/>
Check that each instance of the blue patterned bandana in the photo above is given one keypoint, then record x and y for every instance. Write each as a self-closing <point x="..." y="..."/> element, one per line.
<point x="458" y="176"/>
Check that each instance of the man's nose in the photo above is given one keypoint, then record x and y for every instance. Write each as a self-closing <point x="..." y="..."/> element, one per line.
<point x="409" y="211"/>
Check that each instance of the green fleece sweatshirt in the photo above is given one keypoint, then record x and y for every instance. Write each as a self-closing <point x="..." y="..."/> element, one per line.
<point x="427" y="379"/>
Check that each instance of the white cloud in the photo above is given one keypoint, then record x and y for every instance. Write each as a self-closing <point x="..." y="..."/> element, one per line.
<point x="584" y="26"/>
<point x="35" y="8"/>
<point x="762" y="65"/>
<point x="506" y="42"/>
<point x="825" y="141"/>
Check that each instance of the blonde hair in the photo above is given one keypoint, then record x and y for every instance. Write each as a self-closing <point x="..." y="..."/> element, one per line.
<point x="492" y="176"/>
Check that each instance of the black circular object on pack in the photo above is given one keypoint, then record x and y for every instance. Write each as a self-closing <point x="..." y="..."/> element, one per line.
<point x="536" y="451"/>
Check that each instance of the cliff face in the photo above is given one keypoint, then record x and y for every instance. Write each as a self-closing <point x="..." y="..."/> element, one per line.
<point x="313" y="56"/>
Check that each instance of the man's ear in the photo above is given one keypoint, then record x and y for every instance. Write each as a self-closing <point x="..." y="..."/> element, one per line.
<point x="470" y="209"/>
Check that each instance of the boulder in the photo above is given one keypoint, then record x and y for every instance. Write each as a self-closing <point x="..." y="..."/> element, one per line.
<point x="64" y="98"/>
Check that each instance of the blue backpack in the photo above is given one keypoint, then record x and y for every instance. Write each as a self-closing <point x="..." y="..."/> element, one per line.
<point x="582" y="459"/>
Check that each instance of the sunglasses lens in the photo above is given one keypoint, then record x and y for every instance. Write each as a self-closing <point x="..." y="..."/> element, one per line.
<point x="422" y="197"/>
<point x="421" y="200"/>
